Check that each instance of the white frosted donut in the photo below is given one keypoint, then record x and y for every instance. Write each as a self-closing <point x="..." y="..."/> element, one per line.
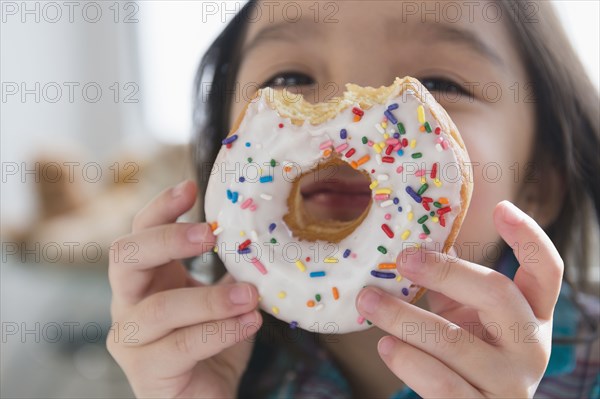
<point x="398" y="135"/>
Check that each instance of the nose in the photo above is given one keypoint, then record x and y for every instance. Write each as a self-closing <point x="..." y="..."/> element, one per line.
<point x="364" y="67"/>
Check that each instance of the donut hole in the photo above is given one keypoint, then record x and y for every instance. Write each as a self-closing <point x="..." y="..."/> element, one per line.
<point x="329" y="202"/>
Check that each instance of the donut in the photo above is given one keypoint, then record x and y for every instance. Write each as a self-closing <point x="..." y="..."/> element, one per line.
<point x="308" y="271"/>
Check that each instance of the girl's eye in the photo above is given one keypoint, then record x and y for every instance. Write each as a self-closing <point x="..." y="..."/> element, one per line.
<point x="443" y="85"/>
<point x="285" y="79"/>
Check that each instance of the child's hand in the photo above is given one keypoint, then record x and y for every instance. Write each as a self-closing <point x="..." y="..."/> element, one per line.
<point x="173" y="336"/>
<point x="508" y="356"/>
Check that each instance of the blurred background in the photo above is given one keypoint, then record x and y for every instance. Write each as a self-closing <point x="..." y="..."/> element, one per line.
<point x="95" y="120"/>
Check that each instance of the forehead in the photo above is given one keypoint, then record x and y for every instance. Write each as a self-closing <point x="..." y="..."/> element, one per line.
<point x="349" y="12"/>
<point x="477" y="24"/>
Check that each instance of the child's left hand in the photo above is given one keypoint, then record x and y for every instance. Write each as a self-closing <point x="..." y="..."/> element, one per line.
<point x="491" y="336"/>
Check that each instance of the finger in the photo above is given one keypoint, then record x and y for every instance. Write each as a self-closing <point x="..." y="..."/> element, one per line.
<point x="167" y="206"/>
<point x="540" y="273"/>
<point x="423" y="373"/>
<point x="430" y="333"/>
<point x="437" y="302"/>
<point x="161" y="244"/>
<point x="182" y="349"/>
<point x="136" y="257"/>
<point x="496" y="298"/>
<point x="163" y="312"/>
<point x="226" y="279"/>
<point x="455" y="312"/>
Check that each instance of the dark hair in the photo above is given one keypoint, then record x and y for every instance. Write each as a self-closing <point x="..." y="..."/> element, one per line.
<point x="568" y="137"/>
<point x="213" y="96"/>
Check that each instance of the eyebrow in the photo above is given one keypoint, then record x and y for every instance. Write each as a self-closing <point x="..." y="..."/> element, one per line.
<point x="282" y="31"/>
<point x="285" y="31"/>
<point x="465" y="37"/>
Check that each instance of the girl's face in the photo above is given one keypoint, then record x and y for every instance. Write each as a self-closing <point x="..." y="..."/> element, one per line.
<point x="462" y="53"/>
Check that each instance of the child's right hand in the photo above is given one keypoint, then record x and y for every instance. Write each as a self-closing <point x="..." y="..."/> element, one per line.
<point x="173" y="336"/>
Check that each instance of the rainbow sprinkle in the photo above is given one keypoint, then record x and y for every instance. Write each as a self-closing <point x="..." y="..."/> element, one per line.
<point x="230" y="139"/>
<point x="378" y="274"/>
<point x="258" y="265"/>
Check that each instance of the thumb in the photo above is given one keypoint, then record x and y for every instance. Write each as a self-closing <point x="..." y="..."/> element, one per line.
<point x="539" y="275"/>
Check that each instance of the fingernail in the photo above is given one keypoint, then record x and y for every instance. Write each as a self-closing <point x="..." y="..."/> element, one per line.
<point x="512" y="214"/>
<point x="385" y="345"/>
<point x="240" y="294"/>
<point x="197" y="233"/>
<point x="369" y="300"/>
<point x="178" y="189"/>
<point x="248" y="318"/>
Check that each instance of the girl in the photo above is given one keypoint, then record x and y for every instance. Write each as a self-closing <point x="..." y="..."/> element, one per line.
<point x="507" y="76"/>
